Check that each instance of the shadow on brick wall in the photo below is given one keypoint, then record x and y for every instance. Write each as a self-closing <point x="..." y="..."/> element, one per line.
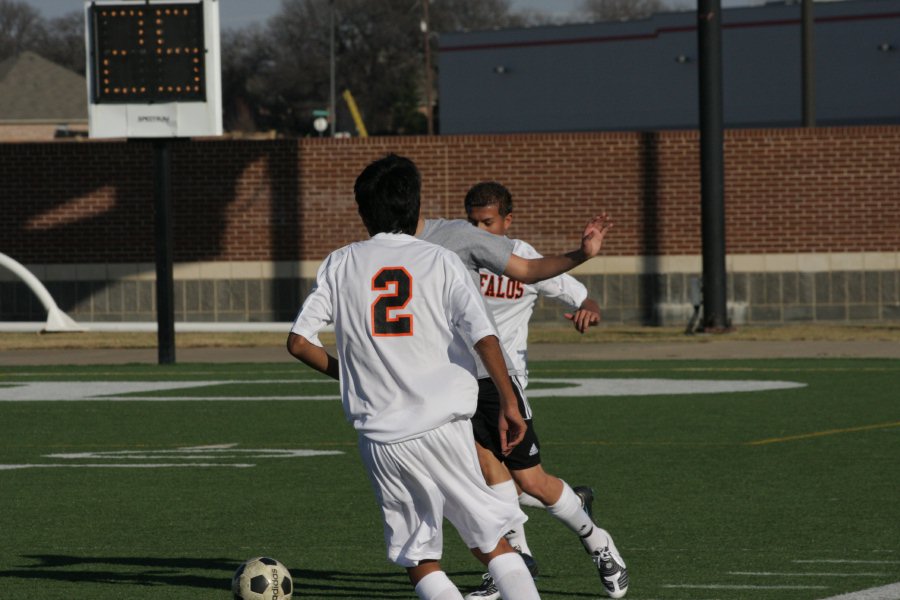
<point x="650" y="280"/>
<point x="74" y="204"/>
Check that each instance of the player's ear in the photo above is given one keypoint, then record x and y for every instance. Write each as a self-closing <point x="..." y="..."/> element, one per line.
<point x="507" y="222"/>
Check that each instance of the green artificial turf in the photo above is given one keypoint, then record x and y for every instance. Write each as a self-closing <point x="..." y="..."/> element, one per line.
<point x="784" y="494"/>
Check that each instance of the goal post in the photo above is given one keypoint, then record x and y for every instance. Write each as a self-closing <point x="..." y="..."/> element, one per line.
<point x="57" y="320"/>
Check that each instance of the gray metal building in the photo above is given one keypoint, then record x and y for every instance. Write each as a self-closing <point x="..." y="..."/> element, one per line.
<point x="643" y="74"/>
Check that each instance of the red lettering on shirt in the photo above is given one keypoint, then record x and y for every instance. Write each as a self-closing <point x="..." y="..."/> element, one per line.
<point x="494" y="286"/>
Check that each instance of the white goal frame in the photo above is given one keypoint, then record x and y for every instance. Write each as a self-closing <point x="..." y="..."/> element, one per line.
<point x="57" y="320"/>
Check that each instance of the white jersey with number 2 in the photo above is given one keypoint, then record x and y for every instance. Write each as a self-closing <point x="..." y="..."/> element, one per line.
<point x="512" y="304"/>
<point x="406" y="315"/>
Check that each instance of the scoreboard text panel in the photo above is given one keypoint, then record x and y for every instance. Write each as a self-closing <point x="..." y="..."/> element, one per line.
<point x="149" y="53"/>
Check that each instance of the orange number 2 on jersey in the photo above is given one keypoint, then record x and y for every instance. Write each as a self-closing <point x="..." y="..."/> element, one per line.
<point x="397" y="282"/>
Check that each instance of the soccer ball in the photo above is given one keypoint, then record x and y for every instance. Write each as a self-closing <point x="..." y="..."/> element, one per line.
<point x="262" y="578"/>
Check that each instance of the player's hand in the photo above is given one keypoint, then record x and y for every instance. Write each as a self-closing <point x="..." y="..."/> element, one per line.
<point x="512" y="430"/>
<point x="583" y="318"/>
<point x="594" y="232"/>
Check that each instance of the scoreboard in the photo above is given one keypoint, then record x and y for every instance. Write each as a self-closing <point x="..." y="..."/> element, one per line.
<point x="153" y="68"/>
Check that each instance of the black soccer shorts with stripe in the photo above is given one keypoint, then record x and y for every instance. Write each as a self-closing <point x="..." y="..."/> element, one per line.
<point x="484" y="424"/>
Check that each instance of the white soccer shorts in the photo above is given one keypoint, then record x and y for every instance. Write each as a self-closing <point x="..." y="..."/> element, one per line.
<point x="420" y="481"/>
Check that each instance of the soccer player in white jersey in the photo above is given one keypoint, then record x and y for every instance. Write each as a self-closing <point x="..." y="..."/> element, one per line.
<point x="489" y="207"/>
<point x="406" y="317"/>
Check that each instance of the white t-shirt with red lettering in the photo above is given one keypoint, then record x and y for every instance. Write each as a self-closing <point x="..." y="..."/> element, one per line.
<point x="512" y="304"/>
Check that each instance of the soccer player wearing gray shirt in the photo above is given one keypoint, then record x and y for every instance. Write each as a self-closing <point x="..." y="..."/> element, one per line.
<point x="479" y="249"/>
<point x="489" y="207"/>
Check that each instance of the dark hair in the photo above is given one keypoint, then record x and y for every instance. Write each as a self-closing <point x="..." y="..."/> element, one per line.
<point x="488" y="193"/>
<point x="388" y="195"/>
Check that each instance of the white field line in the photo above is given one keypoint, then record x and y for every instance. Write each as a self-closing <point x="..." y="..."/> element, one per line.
<point x="197" y="453"/>
<point x="846" y="561"/>
<point x="885" y="592"/>
<point x="42" y="391"/>
<point x="888" y="592"/>
<point x="773" y="574"/>
<point x="653" y="387"/>
<point x="119" y="458"/>
<point x="208" y="398"/>
<point x="115" y="391"/>
<point x="715" y="586"/>
<point x="125" y="466"/>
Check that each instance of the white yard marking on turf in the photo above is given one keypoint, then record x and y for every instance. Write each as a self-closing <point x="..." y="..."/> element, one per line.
<point x="771" y="574"/>
<point x="714" y="586"/>
<point x="886" y="592"/>
<point x="115" y="391"/>
<point x="198" y="452"/>
<point x="845" y="561"/>
<point x="653" y="387"/>
<point x="210" y="447"/>
<point x="120" y="458"/>
<point x="112" y="391"/>
<point x="210" y="398"/>
<point x="89" y="390"/>
<point x="121" y="466"/>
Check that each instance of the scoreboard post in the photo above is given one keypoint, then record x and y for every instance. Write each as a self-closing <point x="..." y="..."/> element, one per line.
<point x="153" y="73"/>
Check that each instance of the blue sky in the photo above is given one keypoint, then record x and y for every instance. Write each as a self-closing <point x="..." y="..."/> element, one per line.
<point x="238" y="13"/>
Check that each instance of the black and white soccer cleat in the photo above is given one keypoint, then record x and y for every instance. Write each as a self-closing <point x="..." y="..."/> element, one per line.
<point x="486" y="591"/>
<point x="612" y="570"/>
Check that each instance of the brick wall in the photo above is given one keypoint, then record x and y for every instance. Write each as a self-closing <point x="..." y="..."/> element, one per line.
<point x="787" y="190"/>
<point x="823" y="191"/>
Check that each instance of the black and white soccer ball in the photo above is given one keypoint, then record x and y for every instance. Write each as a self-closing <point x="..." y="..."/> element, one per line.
<point x="262" y="578"/>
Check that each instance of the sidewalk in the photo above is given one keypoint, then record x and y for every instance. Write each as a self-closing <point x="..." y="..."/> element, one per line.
<point x="701" y="348"/>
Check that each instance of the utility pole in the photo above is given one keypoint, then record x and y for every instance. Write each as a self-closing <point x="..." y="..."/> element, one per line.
<point x="429" y="112"/>
<point x="712" y="171"/>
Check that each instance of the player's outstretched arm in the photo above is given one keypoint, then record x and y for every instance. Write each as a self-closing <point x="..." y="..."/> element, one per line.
<point x="313" y="356"/>
<point x="587" y="314"/>
<point x="511" y="425"/>
<point x="538" y="269"/>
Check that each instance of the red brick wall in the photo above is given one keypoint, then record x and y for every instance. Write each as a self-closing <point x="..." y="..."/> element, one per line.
<point x="787" y="191"/>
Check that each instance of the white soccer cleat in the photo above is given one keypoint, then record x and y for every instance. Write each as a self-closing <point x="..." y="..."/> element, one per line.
<point x="487" y="591"/>
<point x="611" y="567"/>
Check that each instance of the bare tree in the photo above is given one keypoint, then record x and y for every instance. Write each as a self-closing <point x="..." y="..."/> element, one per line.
<point x="468" y="15"/>
<point x="62" y="41"/>
<point x="275" y="76"/>
<point x="613" y="10"/>
<point x="246" y="67"/>
<point x="379" y="57"/>
<point x="21" y="26"/>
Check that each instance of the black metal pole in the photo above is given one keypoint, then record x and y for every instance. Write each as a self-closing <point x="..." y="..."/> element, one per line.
<point x="332" y="105"/>
<point x="712" y="171"/>
<point x="809" y="65"/>
<point x="426" y="32"/>
<point x="165" y="285"/>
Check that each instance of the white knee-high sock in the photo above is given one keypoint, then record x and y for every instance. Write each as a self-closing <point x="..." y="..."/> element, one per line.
<point x="568" y="509"/>
<point x="512" y="577"/>
<point x="437" y="586"/>
<point x="516" y="536"/>
<point x="529" y="500"/>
